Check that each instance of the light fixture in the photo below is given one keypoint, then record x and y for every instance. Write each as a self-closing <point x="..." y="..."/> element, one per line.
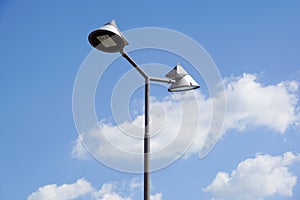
<point x="183" y="81"/>
<point x="108" y="38"/>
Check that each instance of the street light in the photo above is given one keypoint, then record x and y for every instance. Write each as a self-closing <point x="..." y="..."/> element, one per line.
<point x="109" y="38"/>
<point x="183" y="81"/>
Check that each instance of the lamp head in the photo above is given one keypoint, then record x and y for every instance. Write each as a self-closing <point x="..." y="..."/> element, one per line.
<point x="108" y="38"/>
<point x="183" y="81"/>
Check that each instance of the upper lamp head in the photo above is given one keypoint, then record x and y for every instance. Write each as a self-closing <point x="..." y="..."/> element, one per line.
<point x="183" y="81"/>
<point x="108" y="38"/>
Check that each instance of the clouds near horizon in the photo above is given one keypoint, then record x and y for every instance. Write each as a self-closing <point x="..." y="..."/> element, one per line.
<point x="82" y="189"/>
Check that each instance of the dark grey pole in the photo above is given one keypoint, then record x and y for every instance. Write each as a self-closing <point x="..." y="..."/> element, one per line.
<point x="131" y="61"/>
<point x="147" y="142"/>
<point x="147" y="119"/>
<point x="147" y="126"/>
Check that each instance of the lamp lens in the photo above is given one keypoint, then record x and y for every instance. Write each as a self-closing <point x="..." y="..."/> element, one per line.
<point x="106" y="41"/>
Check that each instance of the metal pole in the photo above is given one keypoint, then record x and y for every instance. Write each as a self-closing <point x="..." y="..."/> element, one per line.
<point x="134" y="64"/>
<point x="164" y="80"/>
<point x="147" y="142"/>
<point x="147" y="116"/>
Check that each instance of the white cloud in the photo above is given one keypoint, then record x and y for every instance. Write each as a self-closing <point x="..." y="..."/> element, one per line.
<point x="111" y="143"/>
<point x="249" y="104"/>
<point x="64" y="192"/>
<point x="82" y="189"/>
<point x="256" y="178"/>
<point x="79" y="151"/>
<point x="108" y="192"/>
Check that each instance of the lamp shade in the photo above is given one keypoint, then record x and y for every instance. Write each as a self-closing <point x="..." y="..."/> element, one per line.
<point x="108" y="38"/>
<point x="183" y="81"/>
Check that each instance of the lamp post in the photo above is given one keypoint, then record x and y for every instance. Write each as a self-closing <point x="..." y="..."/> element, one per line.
<point x="109" y="38"/>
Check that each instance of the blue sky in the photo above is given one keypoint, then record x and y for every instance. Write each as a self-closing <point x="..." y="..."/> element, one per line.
<point x="255" y="46"/>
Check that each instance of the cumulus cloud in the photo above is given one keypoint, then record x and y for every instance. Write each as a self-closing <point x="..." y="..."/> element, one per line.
<point x="250" y="104"/>
<point x="170" y="138"/>
<point x="256" y="178"/>
<point x="75" y="190"/>
<point x="184" y="120"/>
<point x="107" y="192"/>
<point x="82" y="189"/>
